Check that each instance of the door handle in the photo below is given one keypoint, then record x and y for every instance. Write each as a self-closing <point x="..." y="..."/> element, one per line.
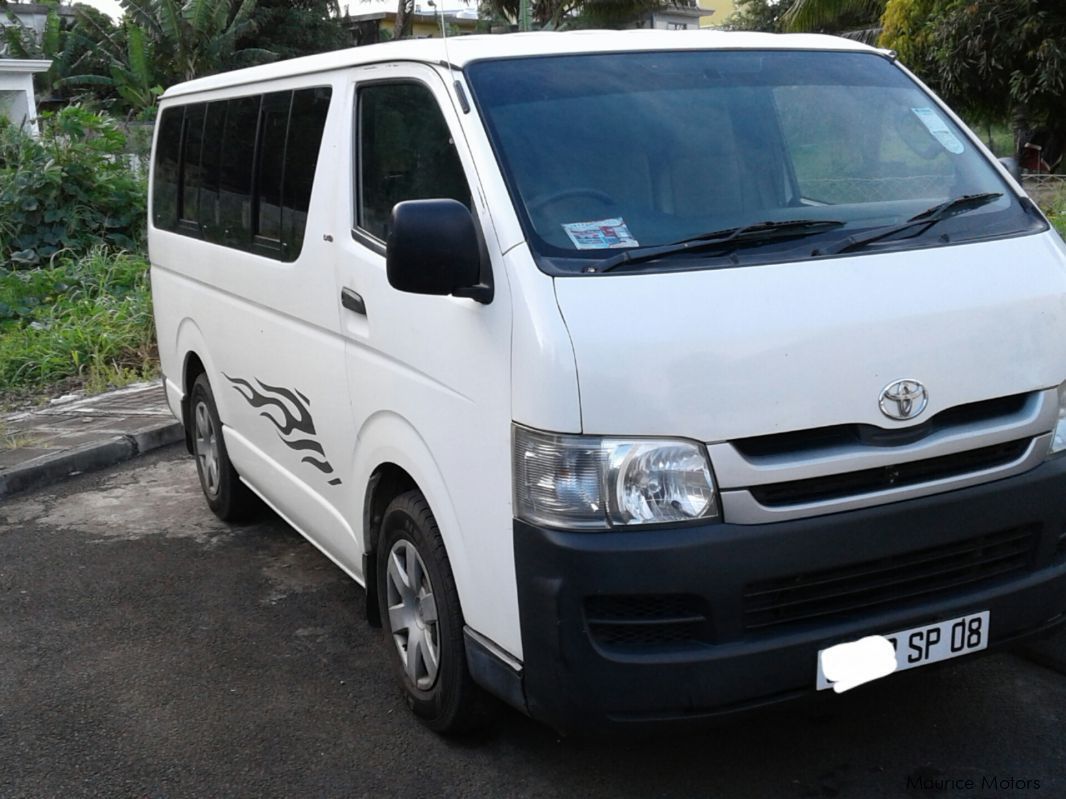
<point x="353" y="301"/>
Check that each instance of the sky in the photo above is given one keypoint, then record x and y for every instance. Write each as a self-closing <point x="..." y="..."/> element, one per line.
<point x="109" y="6"/>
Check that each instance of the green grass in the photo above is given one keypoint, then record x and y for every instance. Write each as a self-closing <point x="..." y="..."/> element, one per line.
<point x="85" y="320"/>
<point x="1055" y="208"/>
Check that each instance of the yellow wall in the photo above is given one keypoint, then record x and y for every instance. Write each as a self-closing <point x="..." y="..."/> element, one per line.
<point x="722" y="9"/>
<point x="426" y="26"/>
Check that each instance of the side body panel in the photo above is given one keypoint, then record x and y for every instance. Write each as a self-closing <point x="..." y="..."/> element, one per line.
<point x="268" y="335"/>
<point x="429" y="381"/>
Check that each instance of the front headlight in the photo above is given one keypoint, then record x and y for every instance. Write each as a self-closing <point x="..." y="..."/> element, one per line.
<point x="1058" y="440"/>
<point x="593" y="482"/>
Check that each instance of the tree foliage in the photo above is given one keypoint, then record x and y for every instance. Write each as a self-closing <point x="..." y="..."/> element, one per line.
<point x="560" y="14"/>
<point x="197" y="37"/>
<point x="993" y="59"/>
<point x="132" y="73"/>
<point x="162" y="42"/>
<point x="759" y="15"/>
<point x="996" y="55"/>
<point x="292" y="28"/>
<point x="907" y="29"/>
<point x="832" y="15"/>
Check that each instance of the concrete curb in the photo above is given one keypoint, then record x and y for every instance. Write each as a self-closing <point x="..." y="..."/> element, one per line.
<point x="89" y="457"/>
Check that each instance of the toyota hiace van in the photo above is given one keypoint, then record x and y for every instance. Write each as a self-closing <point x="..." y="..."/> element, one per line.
<point x="630" y="373"/>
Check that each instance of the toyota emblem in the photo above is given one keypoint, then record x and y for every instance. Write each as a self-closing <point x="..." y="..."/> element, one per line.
<point x="903" y="399"/>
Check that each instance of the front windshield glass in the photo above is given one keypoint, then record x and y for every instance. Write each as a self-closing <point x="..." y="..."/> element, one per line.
<point x="640" y="149"/>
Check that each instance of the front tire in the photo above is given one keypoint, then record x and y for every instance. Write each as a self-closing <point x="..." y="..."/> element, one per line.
<point x="229" y="498"/>
<point x="422" y="621"/>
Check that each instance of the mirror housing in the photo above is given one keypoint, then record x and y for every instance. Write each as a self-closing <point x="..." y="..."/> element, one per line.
<point x="1011" y="165"/>
<point x="434" y="248"/>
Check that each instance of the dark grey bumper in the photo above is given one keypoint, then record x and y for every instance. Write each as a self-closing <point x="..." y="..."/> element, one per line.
<point x="574" y="678"/>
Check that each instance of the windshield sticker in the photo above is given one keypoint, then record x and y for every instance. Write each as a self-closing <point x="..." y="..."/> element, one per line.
<point x="940" y="131"/>
<point x="605" y="234"/>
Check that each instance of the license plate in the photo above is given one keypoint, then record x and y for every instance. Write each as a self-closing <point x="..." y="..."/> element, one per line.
<point x="931" y="643"/>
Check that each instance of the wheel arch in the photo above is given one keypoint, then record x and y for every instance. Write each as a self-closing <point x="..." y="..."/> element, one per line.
<point x="192" y="368"/>
<point x="195" y="360"/>
<point x="387" y="482"/>
<point x="394" y="458"/>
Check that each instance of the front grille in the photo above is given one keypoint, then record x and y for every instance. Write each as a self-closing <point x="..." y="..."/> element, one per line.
<point x="866" y="481"/>
<point x="801" y="441"/>
<point x="894" y="580"/>
<point x="637" y="622"/>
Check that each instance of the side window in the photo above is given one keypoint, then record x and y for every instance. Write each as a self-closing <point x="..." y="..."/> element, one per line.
<point x="306" y="124"/>
<point x="273" y="126"/>
<point x="405" y="152"/>
<point x="235" y="176"/>
<point x="210" y="166"/>
<point x="240" y="172"/>
<point x="167" y="169"/>
<point x="192" y="175"/>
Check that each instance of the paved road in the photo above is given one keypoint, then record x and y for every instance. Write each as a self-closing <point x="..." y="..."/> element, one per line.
<point x="147" y="650"/>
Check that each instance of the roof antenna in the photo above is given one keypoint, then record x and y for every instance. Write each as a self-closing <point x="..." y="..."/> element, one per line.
<point x="443" y="30"/>
<point x="463" y="102"/>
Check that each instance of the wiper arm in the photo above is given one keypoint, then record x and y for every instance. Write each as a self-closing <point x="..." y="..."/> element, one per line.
<point x="928" y="218"/>
<point x="736" y="236"/>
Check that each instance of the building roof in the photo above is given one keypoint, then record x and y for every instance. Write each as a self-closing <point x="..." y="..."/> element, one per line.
<point x="25" y="9"/>
<point x="462" y="50"/>
<point x="24" y="65"/>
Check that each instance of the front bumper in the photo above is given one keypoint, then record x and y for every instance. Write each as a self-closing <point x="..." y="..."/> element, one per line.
<point x="573" y="678"/>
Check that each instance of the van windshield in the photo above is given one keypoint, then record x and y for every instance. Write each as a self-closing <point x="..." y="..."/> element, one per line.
<point x="615" y="151"/>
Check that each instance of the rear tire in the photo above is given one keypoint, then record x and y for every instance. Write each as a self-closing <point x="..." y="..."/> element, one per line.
<point x="229" y="498"/>
<point x="422" y="621"/>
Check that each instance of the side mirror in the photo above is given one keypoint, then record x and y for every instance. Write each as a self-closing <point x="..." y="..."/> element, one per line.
<point x="433" y="248"/>
<point x="1012" y="166"/>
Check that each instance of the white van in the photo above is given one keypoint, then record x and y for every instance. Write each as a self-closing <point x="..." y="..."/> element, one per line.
<point x="629" y="372"/>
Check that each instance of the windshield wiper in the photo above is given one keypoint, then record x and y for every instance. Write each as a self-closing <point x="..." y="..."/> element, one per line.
<point x="928" y="218"/>
<point x="735" y="236"/>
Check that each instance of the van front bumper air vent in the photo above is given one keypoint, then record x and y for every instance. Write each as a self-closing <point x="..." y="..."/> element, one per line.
<point x="643" y="622"/>
<point x="894" y="580"/>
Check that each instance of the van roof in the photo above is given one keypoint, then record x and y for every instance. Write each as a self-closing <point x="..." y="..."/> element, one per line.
<point x="461" y="50"/>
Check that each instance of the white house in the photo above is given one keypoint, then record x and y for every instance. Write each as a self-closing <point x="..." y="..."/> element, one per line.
<point x="676" y="15"/>
<point x="16" y="90"/>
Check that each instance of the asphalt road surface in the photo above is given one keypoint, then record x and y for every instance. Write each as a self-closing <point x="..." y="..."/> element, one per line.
<point x="148" y="650"/>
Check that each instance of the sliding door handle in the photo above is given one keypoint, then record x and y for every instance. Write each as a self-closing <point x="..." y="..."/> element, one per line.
<point x="353" y="301"/>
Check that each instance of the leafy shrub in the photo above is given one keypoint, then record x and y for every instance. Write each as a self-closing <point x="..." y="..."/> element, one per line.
<point x="89" y="318"/>
<point x="71" y="190"/>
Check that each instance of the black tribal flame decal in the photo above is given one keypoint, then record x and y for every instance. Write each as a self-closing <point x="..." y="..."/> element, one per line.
<point x="295" y="418"/>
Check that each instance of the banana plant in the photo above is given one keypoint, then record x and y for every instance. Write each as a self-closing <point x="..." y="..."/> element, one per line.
<point x="197" y="37"/>
<point x="132" y="74"/>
